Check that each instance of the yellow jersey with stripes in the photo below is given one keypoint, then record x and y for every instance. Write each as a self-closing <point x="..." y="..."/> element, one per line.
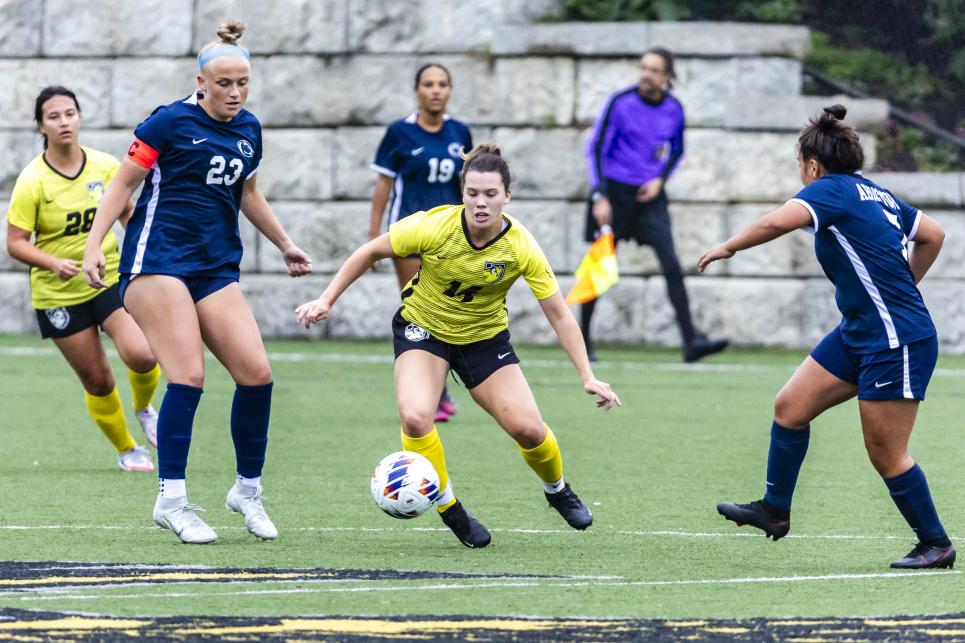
<point x="459" y="293"/>
<point x="59" y="210"/>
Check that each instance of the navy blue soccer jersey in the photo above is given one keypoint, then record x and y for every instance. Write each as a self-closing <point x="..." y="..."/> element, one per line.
<point x="425" y="165"/>
<point x="861" y="240"/>
<point x="186" y="219"/>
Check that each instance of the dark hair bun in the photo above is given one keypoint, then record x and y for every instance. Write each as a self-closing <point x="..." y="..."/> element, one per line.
<point x="838" y="111"/>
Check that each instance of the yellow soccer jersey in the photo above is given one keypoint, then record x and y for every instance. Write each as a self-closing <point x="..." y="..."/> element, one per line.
<point x="459" y="293"/>
<point x="60" y="211"/>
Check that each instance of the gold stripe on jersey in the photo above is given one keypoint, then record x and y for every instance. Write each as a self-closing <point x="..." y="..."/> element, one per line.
<point x="459" y="293"/>
<point x="59" y="210"/>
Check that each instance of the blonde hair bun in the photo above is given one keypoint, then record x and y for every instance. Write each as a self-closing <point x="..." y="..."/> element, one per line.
<point x="230" y="31"/>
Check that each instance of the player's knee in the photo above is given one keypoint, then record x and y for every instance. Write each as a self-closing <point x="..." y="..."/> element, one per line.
<point x="141" y="361"/>
<point x="529" y="435"/>
<point x="788" y="412"/>
<point x="887" y="460"/>
<point x="188" y="377"/>
<point x="97" y="382"/>
<point x="416" y="422"/>
<point x="256" y="374"/>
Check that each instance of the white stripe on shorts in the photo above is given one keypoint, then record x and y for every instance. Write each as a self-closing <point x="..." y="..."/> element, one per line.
<point x="906" y="375"/>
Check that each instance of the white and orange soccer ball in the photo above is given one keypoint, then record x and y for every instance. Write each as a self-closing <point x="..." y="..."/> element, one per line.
<point x="405" y="484"/>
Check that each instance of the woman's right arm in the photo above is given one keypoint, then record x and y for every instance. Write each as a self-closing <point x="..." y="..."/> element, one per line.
<point x="22" y="249"/>
<point x="353" y="268"/>
<point x="380" y="198"/>
<point x="112" y="206"/>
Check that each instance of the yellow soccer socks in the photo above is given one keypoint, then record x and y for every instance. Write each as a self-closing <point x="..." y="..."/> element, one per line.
<point x="143" y="385"/>
<point x="109" y="417"/>
<point x="430" y="447"/>
<point x="547" y="461"/>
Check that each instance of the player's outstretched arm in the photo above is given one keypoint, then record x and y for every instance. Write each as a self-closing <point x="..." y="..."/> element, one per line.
<point x="790" y="216"/>
<point x="928" y="243"/>
<point x="353" y="268"/>
<point x="116" y="200"/>
<point x="571" y="339"/>
<point x="256" y="209"/>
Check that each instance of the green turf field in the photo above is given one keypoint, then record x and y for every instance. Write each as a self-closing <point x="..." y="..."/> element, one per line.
<point x="685" y="438"/>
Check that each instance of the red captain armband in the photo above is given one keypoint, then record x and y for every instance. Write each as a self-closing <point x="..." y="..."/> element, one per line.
<point x="142" y="154"/>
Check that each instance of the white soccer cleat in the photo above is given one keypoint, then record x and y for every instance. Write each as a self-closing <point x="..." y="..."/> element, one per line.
<point x="136" y="459"/>
<point x="182" y="518"/>
<point x="248" y="502"/>
<point x="148" y="421"/>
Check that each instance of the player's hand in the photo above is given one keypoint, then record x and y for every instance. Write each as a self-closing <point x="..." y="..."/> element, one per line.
<point x="714" y="254"/>
<point x="602" y="211"/>
<point x="650" y="190"/>
<point x="95" y="268"/>
<point x="65" y="268"/>
<point x="297" y="262"/>
<point x="605" y="396"/>
<point x="313" y="312"/>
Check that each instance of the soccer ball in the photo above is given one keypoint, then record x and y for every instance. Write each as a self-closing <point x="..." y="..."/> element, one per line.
<point x="405" y="484"/>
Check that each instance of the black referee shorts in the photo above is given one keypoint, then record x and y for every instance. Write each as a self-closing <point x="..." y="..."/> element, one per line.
<point x="646" y="223"/>
<point x="69" y="320"/>
<point x="473" y="362"/>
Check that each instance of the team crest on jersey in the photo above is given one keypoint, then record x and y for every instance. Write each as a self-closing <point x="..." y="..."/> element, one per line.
<point x="455" y="149"/>
<point x="97" y="188"/>
<point x="245" y="148"/>
<point x="58" y="317"/>
<point x="415" y="333"/>
<point x="494" y="272"/>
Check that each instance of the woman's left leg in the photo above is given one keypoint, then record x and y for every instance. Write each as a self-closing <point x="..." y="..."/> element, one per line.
<point x="506" y="396"/>
<point x="887" y="426"/>
<point x="229" y="330"/>
<point x="143" y="370"/>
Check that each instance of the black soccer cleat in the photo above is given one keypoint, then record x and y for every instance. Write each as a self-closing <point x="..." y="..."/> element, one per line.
<point x="771" y="521"/>
<point x="701" y="347"/>
<point x="468" y="530"/>
<point x="574" y="512"/>
<point x="927" y="557"/>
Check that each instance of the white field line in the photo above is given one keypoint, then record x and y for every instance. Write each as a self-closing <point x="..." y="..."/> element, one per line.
<point x="667" y="533"/>
<point x="348" y="358"/>
<point x="552" y="584"/>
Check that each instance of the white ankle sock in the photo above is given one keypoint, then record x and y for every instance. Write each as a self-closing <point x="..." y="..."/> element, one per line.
<point x="254" y="483"/>
<point x="171" y="488"/>
<point x="554" y="487"/>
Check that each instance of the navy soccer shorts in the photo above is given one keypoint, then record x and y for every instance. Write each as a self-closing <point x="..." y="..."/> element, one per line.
<point x="473" y="362"/>
<point x="198" y="287"/>
<point x="68" y="320"/>
<point x="893" y="374"/>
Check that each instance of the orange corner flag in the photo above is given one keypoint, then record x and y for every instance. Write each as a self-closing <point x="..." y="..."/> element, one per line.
<point x="597" y="271"/>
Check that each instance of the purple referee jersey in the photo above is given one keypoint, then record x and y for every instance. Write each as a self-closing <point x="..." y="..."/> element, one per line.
<point x="634" y="141"/>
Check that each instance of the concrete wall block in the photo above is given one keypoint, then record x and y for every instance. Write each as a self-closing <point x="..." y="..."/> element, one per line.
<point x="771" y="259"/>
<point x="297" y="164"/>
<point x="821" y="314"/>
<point x="804" y="263"/>
<point x="597" y="79"/>
<point x="951" y="259"/>
<point x="768" y="76"/>
<point x="353" y="153"/>
<point x="366" y="309"/>
<point x="527" y="323"/>
<point x="428" y="26"/>
<point x="20" y="147"/>
<point x="730" y="39"/>
<point x="924" y="189"/>
<point x="113" y="141"/>
<point x="140" y="85"/>
<point x="547" y="163"/>
<point x="622" y="313"/>
<point x="574" y="38"/>
<point x="945" y="299"/>
<point x="701" y="176"/>
<point x="116" y="27"/>
<point x="251" y="239"/>
<point x="18" y="315"/>
<point x="328" y="231"/>
<point x="283" y="26"/>
<point x="273" y="299"/>
<point x="23" y="80"/>
<point x="20" y="28"/>
<point x="791" y="113"/>
<point x="762" y="166"/>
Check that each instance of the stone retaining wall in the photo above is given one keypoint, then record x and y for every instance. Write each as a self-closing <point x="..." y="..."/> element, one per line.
<point x="328" y="75"/>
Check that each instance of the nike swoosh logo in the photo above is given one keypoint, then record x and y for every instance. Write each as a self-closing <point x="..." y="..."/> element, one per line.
<point x="198" y="140"/>
<point x="502" y="355"/>
<point x="417" y="151"/>
<point x="877" y="385"/>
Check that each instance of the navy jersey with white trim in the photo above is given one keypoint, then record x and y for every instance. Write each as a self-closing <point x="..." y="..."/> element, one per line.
<point x="425" y="165"/>
<point x="861" y="241"/>
<point x="186" y="219"/>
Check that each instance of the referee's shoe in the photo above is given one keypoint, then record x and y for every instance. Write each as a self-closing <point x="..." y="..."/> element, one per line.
<point x="701" y="346"/>
<point x="774" y="522"/>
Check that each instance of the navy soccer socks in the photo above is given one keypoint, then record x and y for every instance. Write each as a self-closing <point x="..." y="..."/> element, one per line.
<point x="910" y="492"/>
<point x="784" y="458"/>
<point x="250" y="412"/>
<point x="174" y="423"/>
